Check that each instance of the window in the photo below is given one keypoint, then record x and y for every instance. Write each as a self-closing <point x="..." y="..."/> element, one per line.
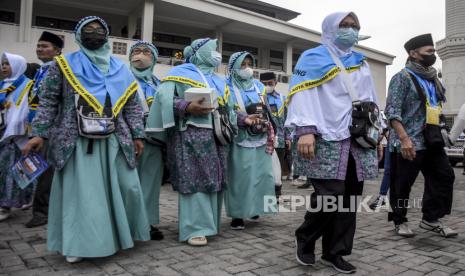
<point x="7" y="16"/>
<point x="176" y="39"/>
<point x="237" y="48"/>
<point x="120" y="48"/>
<point x="167" y="52"/>
<point x="276" y="54"/>
<point x="55" y="23"/>
<point x="276" y="66"/>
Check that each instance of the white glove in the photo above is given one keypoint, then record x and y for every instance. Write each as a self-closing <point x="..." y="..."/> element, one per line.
<point x="459" y="125"/>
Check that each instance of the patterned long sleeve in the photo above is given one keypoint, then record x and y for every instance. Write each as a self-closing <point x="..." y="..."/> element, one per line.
<point x="134" y="116"/>
<point x="49" y="99"/>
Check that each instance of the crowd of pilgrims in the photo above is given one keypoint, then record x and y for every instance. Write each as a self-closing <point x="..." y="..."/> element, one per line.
<point x="111" y="132"/>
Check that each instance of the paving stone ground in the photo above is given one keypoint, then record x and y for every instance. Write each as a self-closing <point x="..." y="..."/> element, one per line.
<point x="264" y="248"/>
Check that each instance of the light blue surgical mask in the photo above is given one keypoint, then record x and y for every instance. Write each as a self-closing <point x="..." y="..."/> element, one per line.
<point x="346" y="37"/>
<point x="215" y="59"/>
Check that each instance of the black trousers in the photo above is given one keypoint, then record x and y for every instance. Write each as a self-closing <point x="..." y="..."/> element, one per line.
<point x="336" y="228"/>
<point x="42" y="194"/>
<point x="438" y="191"/>
<point x="283" y="156"/>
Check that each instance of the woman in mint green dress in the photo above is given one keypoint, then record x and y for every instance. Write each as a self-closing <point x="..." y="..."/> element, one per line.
<point x="197" y="162"/>
<point x="96" y="202"/>
<point x="250" y="192"/>
<point x="143" y="57"/>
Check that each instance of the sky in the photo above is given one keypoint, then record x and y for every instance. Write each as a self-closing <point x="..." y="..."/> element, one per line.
<point x="389" y="23"/>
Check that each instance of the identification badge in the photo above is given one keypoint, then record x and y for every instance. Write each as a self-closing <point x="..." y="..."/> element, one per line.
<point x="432" y="115"/>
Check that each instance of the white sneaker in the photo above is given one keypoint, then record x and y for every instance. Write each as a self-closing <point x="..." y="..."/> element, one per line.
<point x="26" y="206"/>
<point x="438" y="227"/>
<point x="4" y="213"/>
<point x="73" y="260"/>
<point x="404" y="230"/>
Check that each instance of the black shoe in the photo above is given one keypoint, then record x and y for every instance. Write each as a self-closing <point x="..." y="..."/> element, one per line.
<point x="36" y="221"/>
<point x="379" y="201"/>
<point x="303" y="258"/>
<point x="237" y="224"/>
<point x="155" y="234"/>
<point x="339" y="264"/>
<point x="307" y="185"/>
<point x="255" y="217"/>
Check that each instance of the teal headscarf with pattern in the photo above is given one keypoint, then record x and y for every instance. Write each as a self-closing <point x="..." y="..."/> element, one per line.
<point x="234" y="66"/>
<point x="101" y="56"/>
<point x="147" y="73"/>
<point x="199" y="53"/>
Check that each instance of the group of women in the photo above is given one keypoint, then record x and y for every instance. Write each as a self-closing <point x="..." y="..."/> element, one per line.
<point x="93" y="111"/>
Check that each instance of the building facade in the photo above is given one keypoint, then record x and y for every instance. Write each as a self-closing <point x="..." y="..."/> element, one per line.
<point x="260" y="28"/>
<point x="452" y="52"/>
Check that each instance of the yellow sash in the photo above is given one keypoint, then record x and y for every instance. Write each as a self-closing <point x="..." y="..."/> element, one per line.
<point x="86" y="95"/>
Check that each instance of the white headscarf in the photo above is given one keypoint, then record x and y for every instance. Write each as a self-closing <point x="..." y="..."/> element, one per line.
<point x="18" y="66"/>
<point x="329" y="28"/>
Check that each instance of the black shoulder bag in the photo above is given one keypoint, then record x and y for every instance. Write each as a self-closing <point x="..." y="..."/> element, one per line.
<point x="433" y="134"/>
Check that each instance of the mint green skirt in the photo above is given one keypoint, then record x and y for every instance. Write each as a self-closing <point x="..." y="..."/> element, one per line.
<point x="96" y="203"/>
<point x="199" y="215"/>
<point x="150" y="168"/>
<point x="251" y="182"/>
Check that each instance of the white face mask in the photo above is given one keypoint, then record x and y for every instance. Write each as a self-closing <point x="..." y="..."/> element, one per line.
<point x="141" y="61"/>
<point x="215" y="59"/>
<point x="246" y="73"/>
<point x="269" y="89"/>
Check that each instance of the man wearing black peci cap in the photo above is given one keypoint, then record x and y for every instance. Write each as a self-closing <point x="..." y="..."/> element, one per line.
<point x="413" y="109"/>
<point x="48" y="47"/>
<point x="276" y="102"/>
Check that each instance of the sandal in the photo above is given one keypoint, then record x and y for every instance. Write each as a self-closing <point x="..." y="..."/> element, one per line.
<point x="197" y="241"/>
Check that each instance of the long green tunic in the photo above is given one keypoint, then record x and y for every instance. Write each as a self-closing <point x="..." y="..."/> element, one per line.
<point x="150" y="168"/>
<point x="96" y="204"/>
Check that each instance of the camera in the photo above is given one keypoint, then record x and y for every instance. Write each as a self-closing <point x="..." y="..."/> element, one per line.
<point x="262" y="127"/>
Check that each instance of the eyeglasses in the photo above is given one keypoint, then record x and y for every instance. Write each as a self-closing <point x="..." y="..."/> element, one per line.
<point x="348" y="25"/>
<point x="146" y="51"/>
<point x="90" y="30"/>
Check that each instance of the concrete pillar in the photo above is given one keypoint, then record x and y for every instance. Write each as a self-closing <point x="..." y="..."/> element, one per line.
<point x="287" y="62"/>
<point x="25" y="21"/>
<point x="147" y="20"/>
<point x="219" y="36"/>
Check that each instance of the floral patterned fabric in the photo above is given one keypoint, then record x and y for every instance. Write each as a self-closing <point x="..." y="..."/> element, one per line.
<point x="196" y="162"/>
<point x="56" y="120"/>
<point x="11" y="195"/>
<point x="331" y="159"/>
<point x="404" y="104"/>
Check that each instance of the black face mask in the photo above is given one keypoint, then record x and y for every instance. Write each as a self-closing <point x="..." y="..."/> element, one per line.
<point x="93" y="41"/>
<point x="428" y="60"/>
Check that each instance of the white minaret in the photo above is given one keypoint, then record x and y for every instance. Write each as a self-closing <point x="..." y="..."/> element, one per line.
<point x="452" y="52"/>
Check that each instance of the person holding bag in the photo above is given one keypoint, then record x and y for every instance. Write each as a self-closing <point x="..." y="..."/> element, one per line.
<point x="90" y="112"/>
<point x="196" y="150"/>
<point x="331" y="88"/>
<point x="251" y="178"/>
<point x="413" y="108"/>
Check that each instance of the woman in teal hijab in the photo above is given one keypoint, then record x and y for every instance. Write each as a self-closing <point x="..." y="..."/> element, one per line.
<point x="250" y="192"/>
<point x="143" y="57"/>
<point x="96" y="202"/>
<point x="196" y="161"/>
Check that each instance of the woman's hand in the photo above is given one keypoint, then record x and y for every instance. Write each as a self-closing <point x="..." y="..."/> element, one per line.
<point x="253" y="119"/>
<point x="195" y="108"/>
<point x="306" y="146"/>
<point x="380" y="152"/>
<point x="35" y="144"/>
<point x="139" y="147"/>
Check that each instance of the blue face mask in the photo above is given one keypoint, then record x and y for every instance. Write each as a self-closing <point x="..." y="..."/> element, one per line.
<point x="346" y="37"/>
